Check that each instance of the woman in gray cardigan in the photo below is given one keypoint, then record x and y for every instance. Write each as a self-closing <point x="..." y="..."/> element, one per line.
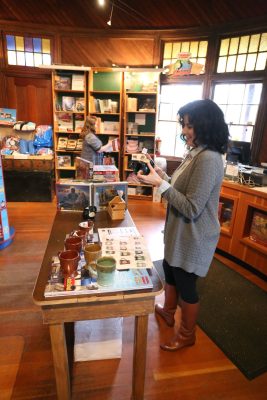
<point x="192" y="228"/>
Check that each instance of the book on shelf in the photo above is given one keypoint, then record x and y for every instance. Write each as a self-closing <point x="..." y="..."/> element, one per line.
<point x="131" y="104"/>
<point x="111" y="127"/>
<point x="84" y="168"/>
<point x="62" y="143"/>
<point x="63" y="161"/>
<point x="78" y="122"/>
<point x="65" y="122"/>
<point x="258" y="229"/>
<point x="62" y="82"/>
<point x="72" y="143"/>
<point x="147" y="104"/>
<point x="77" y="82"/>
<point x="79" y="104"/>
<point x="68" y="103"/>
<point x="79" y="144"/>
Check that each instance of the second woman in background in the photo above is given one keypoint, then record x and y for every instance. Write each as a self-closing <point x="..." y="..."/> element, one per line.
<point x="92" y="145"/>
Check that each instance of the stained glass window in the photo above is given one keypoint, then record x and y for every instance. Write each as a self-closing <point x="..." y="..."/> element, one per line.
<point x="197" y="49"/>
<point x="28" y="51"/>
<point x="244" y="53"/>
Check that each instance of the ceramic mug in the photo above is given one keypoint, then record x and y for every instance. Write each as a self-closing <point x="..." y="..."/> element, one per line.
<point x="81" y="234"/>
<point x="88" y="227"/>
<point x="92" y="251"/>
<point x="73" y="243"/>
<point x="105" y="267"/>
<point x="69" y="261"/>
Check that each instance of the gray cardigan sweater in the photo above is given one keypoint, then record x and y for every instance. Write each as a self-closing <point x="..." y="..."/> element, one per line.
<point x="192" y="228"/>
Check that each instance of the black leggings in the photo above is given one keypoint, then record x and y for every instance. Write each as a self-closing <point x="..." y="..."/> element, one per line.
<point x="185" y="282"/>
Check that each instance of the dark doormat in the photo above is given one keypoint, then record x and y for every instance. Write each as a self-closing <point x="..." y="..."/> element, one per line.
<point x="233" y="313"/>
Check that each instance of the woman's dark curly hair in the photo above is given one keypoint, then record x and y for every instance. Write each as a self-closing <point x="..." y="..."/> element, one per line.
<point x="208" y="122"/>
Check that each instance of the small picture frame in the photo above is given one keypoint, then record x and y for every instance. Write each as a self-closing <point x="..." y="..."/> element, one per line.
<point x="103" y="193"/>
<point x="73" y="197"/>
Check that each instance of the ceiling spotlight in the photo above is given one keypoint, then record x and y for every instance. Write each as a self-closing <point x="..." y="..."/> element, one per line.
<point x="110" y="17"/>
<point x="101" y="2"/>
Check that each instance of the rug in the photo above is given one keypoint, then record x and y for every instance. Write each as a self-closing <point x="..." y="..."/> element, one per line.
<point x="233" y="314"/>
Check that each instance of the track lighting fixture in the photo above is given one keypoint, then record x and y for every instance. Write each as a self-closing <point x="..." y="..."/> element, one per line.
<point x="110" y="17"/>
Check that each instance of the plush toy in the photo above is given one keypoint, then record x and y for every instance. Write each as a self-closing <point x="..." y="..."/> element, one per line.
<point x="23" y="126"/>
<point x="11" y="143"/>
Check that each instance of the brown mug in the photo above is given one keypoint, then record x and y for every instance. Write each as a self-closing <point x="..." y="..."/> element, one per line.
<point x="88" y="227"/>
<point x="69" y="261"/>
<point x="92" y="251"/>
<point x="73" y="243"/>
<point x="81" y="234"/>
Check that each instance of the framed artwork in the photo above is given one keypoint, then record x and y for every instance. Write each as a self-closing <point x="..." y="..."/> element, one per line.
<point x="104" y="192"/>
<point x="73" y="197"/>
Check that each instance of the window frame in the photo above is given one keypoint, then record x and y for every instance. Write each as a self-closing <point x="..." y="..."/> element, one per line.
<point x="26" y="35"/>
<point x="212" y="77"/>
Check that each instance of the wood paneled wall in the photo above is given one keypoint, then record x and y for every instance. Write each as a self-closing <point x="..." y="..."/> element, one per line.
<point x="105" y="51"/>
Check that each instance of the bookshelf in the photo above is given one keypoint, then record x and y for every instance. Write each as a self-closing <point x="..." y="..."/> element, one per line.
<point x="69" y="88"/>
<point x="140" y="119"/>
<point x="105" y="103"/>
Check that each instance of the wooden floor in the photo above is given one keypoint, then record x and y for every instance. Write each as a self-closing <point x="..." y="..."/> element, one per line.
<point x="201" y="372"/>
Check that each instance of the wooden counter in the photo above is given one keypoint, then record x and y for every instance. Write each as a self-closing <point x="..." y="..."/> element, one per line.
<point x="241" y="202"/>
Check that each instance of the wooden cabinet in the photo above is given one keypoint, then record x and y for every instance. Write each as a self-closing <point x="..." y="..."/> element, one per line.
<point x="69" y="111"/>
<point x="140" y="118"/>
<point x="244" y="224"/>
<point x="105" y="103"/>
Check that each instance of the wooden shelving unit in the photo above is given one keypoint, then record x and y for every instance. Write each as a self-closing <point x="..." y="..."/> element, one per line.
<point x="140" y="119"/>
<point x="69" y="88"/>
<point x="105" y="103"/>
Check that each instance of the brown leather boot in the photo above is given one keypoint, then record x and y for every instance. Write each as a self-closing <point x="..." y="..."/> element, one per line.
<point x="170" y="304"/>
<point x="186" y="335"/>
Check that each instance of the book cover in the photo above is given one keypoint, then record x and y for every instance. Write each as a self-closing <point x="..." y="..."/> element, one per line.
<point x="63" y="161"/>
<point x="77" y="82"/>
<point x="68" y="103"/>
<point x="62" y="82"/>
<point x="65" y="122"/>
<point x="111" y="127"/>
<point x="79" y="104"/>
<point x="78" y="122"/>
<point x="62" y="143"/>
<point x="84" y="168"/>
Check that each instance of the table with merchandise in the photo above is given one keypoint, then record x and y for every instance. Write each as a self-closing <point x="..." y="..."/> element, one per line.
<point x="133" y="294"/>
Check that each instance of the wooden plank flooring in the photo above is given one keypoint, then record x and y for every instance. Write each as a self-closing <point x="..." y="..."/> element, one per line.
<point x="200" y="372"/>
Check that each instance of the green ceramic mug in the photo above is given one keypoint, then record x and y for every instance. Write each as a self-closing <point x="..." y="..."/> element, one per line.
<point x="105" y="267"/>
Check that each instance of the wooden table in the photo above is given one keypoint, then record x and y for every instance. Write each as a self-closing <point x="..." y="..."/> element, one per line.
<point x="58" y="312"/>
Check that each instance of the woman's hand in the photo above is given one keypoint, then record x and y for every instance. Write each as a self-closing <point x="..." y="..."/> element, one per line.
<point x="152" y="179"/>
<point x="158" y="170"/>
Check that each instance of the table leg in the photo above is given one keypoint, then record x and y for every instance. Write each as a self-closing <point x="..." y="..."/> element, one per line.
<point x="61" y="364"/>
<point x="139" y="357"/>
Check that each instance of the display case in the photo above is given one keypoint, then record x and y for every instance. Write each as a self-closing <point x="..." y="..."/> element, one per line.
<point x="140" y="119"/>
<point x="244" y="224"/>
